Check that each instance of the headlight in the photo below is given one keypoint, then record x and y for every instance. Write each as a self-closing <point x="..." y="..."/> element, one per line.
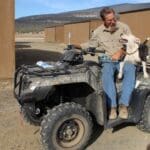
<point x="34" y="85"/>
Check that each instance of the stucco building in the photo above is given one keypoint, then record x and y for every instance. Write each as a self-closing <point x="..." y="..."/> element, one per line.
<point x="7" y="50"/>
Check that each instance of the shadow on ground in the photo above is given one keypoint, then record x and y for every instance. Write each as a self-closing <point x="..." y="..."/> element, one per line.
<point x="31" y="56"/>
<point x="28" y="56"/>
<point x="148" y="147"/>
<point x="97" y="131"/>
<point x="21" y="45"/>
<point x="122" y="126"/>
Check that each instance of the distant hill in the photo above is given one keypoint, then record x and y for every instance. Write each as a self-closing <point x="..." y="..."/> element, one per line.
<point x="37" y="23"/>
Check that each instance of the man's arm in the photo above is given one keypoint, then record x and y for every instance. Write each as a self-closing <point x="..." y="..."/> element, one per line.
<point x="121" y="52"/>
<point x="118" y="55"/>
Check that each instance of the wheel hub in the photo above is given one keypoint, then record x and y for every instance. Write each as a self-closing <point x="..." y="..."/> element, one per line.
<point x="68" y="130"/>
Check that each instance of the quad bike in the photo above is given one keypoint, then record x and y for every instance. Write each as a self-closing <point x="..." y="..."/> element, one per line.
<point x="66" y="96"/>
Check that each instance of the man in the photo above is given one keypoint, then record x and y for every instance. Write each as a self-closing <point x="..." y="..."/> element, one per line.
<point x="107" y="37"/>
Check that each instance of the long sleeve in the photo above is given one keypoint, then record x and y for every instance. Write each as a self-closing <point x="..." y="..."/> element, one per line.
<point x="94" y="40"/>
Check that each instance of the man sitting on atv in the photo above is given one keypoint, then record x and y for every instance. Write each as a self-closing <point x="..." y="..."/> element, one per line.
<point x="106" y="37"/>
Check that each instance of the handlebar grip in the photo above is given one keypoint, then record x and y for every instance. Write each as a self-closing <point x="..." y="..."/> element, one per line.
<point x="99" y="51"/>
<point x="94" y="50"/>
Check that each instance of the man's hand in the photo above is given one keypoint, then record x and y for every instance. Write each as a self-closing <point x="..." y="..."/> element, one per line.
<point x="118" y="55"/>
<point x="91" y="49"/>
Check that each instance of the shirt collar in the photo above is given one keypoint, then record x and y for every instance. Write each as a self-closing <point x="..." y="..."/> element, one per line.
<point x="107" y="30"/>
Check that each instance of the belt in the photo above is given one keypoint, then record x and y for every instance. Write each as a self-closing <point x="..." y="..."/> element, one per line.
<point x="106" y="59"/>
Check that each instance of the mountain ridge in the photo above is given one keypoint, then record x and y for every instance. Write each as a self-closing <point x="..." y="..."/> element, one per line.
<point x="37" y="23"/>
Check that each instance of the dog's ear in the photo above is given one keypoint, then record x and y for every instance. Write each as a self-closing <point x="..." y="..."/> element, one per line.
<point x="137" y="40"/>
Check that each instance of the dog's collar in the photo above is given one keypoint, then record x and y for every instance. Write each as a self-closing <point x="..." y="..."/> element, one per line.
<point x="130" y="53"/>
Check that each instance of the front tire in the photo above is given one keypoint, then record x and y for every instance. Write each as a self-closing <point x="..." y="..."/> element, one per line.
<point x="144" y="123"/>
<point x="68" y="126"/>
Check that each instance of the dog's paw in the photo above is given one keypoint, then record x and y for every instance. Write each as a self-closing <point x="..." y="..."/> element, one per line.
<point x="146" y="75"/>
<point x="119" y="76"/>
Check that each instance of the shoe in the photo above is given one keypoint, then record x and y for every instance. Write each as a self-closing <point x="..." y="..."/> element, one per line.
<point x="113" y="113"/>
<point x="123" y="111"/>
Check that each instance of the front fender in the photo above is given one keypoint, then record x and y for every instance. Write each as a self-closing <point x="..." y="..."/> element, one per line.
<point x="38" y="94"/>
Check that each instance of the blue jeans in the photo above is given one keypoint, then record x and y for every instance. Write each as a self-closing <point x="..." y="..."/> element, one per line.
<point x="128" y="83"/>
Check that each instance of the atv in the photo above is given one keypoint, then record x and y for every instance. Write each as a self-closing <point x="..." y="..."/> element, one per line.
<point x="65" y="98"/>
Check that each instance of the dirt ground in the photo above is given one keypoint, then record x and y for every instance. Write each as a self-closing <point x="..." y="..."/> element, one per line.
<point x="15" y="134"/>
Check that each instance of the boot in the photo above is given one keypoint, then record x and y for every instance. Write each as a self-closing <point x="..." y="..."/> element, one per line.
<point x="113" y="113"/>
<point x="123" y="111"/>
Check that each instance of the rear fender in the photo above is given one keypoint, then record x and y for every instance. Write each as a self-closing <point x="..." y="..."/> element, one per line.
<point x="95" y="103"/>
<point x="137" y="103"/>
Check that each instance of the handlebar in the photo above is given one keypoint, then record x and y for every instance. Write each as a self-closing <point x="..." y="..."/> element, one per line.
<point x="91" y="50"/>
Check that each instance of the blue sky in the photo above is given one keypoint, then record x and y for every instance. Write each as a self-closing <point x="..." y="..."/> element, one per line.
<point x="37" y="7"/>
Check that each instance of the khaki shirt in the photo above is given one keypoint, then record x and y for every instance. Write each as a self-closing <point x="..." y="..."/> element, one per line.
<point x="103" y="39"/>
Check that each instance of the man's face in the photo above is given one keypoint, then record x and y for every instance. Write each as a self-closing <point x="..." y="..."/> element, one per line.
<point x="110" y="20"/>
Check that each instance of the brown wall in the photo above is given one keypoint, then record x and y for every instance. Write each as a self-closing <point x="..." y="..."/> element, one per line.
<point x="79" y="32"/>
<point x="139" y="23"/>
<point x="60" y="34"/>
<point x="94" y="24"/>
<point x="50" y="34"/>
<point x="7" y="51"/>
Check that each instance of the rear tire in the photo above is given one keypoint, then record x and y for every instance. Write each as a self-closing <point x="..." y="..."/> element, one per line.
<point x="144" y="123"/>
<point x="67" y="126"/>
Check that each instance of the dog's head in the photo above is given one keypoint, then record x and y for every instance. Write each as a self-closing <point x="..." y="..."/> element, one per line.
<point x="130" y="42"/>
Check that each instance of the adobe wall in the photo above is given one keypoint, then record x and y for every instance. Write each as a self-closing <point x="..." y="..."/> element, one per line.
<point x="50" y="34"/>
<point x="59" y="33"/>
<point x="7" y="50"/>
<point x="139" y="23"/>
<point x="79" y="33"/>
